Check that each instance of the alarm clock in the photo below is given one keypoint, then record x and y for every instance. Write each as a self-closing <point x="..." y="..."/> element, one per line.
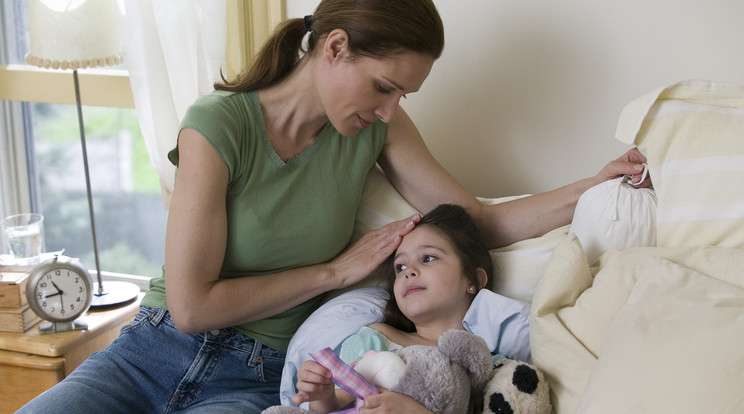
<point x="59" y="290"/>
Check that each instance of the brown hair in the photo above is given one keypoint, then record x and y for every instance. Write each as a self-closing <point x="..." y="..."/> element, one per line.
<point x="376" y="28"/>
<point x="457" y="226"/>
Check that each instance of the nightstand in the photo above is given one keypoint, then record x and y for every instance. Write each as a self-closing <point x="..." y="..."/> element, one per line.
<point x="32" y="362"/>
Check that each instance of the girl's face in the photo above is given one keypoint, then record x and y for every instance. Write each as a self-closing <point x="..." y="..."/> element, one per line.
<point x="357" y="91"/>
<point x="430" y="285"/>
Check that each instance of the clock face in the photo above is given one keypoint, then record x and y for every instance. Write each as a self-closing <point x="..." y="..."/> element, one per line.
<point x="60" y="293"/>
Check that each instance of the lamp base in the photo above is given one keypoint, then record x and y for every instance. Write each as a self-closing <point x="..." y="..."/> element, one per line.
<point x="114" y="293"/>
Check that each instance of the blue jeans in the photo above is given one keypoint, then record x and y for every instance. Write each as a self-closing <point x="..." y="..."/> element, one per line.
<point x="154" y="368"/>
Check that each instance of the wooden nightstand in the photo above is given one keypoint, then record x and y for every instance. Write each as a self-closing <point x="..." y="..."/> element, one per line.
<point x="31" y="362"/>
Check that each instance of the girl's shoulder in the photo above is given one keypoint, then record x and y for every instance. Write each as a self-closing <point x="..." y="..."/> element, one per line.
<point x="375" y="332"/>
<point x="355" y="346"/>
<point x="392" y="334"/>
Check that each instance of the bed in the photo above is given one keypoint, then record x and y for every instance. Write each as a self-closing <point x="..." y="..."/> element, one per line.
<point x="637" y="305"/>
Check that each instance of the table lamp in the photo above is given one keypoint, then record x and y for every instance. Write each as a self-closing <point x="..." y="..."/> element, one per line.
<point x="79" y="34"/>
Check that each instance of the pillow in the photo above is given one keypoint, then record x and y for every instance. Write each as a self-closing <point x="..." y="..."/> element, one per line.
<point x="380" y="204"/>
<point x="675" y="347"/>
<point x="556" y="350"/>
<point x="614" y="215"/>
<point x="691" y="132"/>
<point x="519" y="266"/>
<point x="502" y="322"/>
<point x="328" y="326"/>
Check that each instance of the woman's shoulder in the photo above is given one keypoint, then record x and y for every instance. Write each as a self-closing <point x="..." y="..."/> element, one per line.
<point x="223" y="101"/>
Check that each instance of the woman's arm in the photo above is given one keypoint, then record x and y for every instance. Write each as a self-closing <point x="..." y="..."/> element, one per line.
<point x="195" y="247"/>
<point x="425" y="183"/>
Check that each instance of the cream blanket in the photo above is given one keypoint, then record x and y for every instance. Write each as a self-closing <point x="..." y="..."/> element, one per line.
<point x="646" y="330"/>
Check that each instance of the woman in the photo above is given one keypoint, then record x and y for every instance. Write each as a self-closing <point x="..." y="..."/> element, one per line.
<point x="270" y="172"/>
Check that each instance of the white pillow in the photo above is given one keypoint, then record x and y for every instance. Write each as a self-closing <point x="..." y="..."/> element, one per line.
<point x="518" y="267"/>
<point x="691" y="132"/>
<point x="613" y="216"/>
<point x="328" y="326"/>
<point x="380" y="204"/>
<point x="676" y="347"/>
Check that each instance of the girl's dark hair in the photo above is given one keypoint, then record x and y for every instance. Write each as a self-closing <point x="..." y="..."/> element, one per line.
<point x="455" y="224"/>
<point x="376" y="28"/>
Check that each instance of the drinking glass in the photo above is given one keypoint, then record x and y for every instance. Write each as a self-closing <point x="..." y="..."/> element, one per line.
<point x="25" y="236"/>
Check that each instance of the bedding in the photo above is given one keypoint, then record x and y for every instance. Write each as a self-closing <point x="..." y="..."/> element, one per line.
<point x="691" y="133"/>
<point x="647" y="329"/>
<point x="658" y="328"/>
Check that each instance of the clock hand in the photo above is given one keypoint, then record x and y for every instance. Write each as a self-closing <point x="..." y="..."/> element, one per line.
<point x="59" y="291"/>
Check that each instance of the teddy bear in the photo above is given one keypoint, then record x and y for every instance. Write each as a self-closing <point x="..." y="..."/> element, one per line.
<point x="442" y="378"/>
<point x="516" y="387"/>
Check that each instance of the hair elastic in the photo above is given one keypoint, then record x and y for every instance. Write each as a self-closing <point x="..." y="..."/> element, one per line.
<point x="308" y="23"/>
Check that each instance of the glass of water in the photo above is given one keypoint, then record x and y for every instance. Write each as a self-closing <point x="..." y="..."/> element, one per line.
<point x="25" y="236"/>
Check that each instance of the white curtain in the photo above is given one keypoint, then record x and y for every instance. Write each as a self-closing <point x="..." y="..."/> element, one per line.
<point x="175" y="51"/>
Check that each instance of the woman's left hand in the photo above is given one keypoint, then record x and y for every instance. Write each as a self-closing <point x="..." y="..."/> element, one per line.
<point x="630" y="163"/>
<point x="391" y="402"/>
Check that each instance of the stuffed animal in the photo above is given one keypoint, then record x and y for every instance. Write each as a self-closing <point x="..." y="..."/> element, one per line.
<point x="441" y="378"/>
<point x="516" y="387"/>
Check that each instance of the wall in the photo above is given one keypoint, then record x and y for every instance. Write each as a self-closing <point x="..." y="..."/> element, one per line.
<point x="527" y="93"/>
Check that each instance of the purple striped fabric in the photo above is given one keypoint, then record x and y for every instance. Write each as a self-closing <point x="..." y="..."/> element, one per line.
<point x="345" y="377"/>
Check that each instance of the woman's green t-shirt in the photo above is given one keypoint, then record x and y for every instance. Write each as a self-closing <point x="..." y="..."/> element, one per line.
<point x="281" y="215"/>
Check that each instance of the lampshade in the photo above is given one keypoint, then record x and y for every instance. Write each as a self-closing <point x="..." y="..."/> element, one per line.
<point x="75" y="34"/>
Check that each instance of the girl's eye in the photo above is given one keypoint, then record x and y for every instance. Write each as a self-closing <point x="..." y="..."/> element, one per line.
<point x="399" y="268"/>
<point x="429" y="258"/>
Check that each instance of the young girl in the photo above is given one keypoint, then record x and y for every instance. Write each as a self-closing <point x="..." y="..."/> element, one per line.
<point x="434" y="275"/>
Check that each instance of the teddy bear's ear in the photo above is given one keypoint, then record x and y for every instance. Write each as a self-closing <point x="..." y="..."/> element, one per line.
<point x="469" y="351"/>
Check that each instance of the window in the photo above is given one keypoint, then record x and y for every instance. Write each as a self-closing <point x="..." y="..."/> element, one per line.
<point x="42" y="167"/>
<point x="41" y="159"/>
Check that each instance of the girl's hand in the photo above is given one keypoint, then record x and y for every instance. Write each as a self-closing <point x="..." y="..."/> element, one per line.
<point x="314" y="384"/>
<point x="367" y="254"/>
<point x="630" y="164"/>
<point x="392" y="402"/>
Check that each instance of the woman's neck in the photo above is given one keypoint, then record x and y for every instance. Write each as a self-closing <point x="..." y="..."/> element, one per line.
<point x="292" y="113"/>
